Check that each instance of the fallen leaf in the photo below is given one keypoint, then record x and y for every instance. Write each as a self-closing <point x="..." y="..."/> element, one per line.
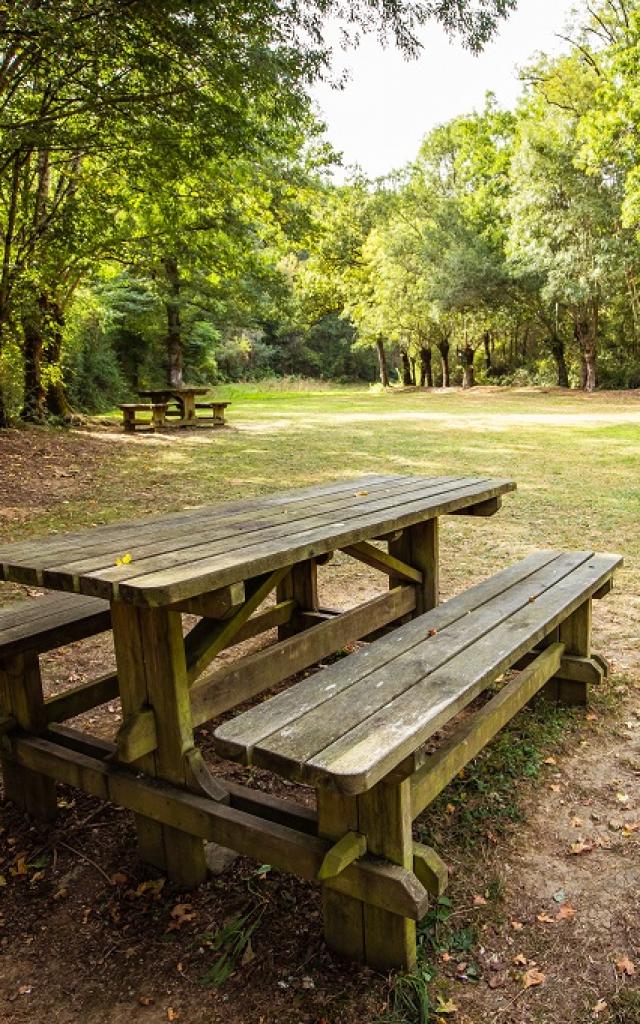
<point x="446" y="1006"/>
<point x="445" y="957"/>
<point x="592" y="717"/>
<point x="498" y="979"/>
<point x="577" y="822"/>
<point x="581" y="846"/>
<point x="124" y="559"/>
<point x="517" y="926"/>
<point x="520" y="958"/>
<point x="599" y="1007"/>
<point x="622" y="798"/>
<point x="450" y="809"/>
<point x="146" y="1000"/>
<point x="249" y="955"/>
<point x="625" y="966"/>
<point x="566" y="912"/>
<point x="172" y="1014"/>
<point x="555" y="788"/>
<point x="119" y="878"/>
<point x="533" y="977"/>
<point x="479" y="901"/>
<point x="432" y="632"/>
<point x="361" y="494"/>
<point x="630" y="828"/>
<point x="550" y="760"/>
<point x="545" y="919"/>
<point x="153" y="886"/>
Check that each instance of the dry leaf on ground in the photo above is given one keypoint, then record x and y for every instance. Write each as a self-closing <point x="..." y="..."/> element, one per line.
<point x="533" y="977"/>
<point x="625" y="966"/>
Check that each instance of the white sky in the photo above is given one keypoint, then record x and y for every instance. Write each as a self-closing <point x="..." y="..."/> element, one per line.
<point x="379" y="119"/>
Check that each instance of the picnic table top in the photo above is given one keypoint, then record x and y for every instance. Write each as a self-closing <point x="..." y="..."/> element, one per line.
<point x="160" y="560"/>
<point x="168" y="389"/>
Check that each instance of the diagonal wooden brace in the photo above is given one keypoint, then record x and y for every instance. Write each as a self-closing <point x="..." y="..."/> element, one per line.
<point x="384" y="562"/>
<point x="342" y="854"/>
<point x="208" y="638"/>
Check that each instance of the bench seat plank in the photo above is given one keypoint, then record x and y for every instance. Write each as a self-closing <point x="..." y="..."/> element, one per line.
<point x="357" y="737"/>
<point x="45" y="623"/>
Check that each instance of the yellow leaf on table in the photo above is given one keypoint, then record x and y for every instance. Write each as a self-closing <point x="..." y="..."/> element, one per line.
<point x="533" y="977"/>
<point x="124" y="559"/>
<point x="625" y="966"/>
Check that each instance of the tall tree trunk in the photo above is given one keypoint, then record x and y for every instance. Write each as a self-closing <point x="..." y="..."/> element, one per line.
<point x="406" y="369"/>
<point x="412" y="362"/>
<point x="443" y="349"/>
<point x="468" y="378"/>
<point x="56" y="398"/>
<point x="174" y="326"/>
<point x="34" y="400"/>
<point x="585" y="331"/>
<point x="382" y="362"/>
<point x="486" y="341"/>
<point x="4" y="412"/>
<point x="426" y="367"/>
<point x="557" y="350"/>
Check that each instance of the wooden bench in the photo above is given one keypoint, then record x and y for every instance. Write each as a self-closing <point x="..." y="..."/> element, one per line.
<point x="357" y="730"/>
<point x="28" y="629"/>
<point x="132" y="421"/>
<point x="217" y="411"/>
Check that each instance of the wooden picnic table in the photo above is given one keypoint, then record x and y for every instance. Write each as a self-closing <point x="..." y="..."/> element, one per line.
<point x="220" y="563"/>
<point x="184" y="396"/>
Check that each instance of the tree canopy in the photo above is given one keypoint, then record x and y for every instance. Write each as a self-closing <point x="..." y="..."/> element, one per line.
<point x="166" y="206"/>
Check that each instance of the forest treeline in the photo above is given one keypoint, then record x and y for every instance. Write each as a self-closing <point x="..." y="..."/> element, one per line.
<point x="167" y="210"/>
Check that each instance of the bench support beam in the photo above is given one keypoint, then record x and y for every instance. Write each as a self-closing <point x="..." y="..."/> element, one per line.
<point x="468" y="740"/>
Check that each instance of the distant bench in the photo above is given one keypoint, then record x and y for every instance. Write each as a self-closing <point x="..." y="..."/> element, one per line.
<point x="357" y="729"/>
<point x="132" y="420"/>
<point x="217" y="411"/>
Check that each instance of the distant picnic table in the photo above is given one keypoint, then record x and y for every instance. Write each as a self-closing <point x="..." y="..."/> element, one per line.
<point x="183" y="397"/>
<point x="356" y="730"/>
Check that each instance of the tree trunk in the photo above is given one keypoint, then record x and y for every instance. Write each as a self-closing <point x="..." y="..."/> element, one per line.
<point x="468" y="379"/>
<point x="585" y="335"/>
<point x="426" y="367"/>
<point x="56" y="398"/>
<point x="382" y="361"/>
<point x="34" y="401"/>
<point x="414" y="379"/>
<point x="486" y="341"/>
<point x="4" y="412"/>
<point x="406" y="369"/>
<point x="443" y="349"/>
<point x="557" y="349"/>
<point x="174" y="326"/>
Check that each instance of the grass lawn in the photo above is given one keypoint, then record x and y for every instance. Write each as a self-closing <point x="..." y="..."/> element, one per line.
<point x="576" y="460"/>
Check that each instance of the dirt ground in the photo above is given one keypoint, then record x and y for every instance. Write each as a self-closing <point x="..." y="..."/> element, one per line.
<point x="88" y="933"/>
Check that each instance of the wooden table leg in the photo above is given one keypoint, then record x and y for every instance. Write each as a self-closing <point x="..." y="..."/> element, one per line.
<point x="301" y="586"/>
<point x="384" y="816"/>
<point x="575" y="634"/>
<point x="343" y="915"/>
<point x="152" y="674"/>
<point x="419" y="546"/>
<point x="21" y="697"/>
